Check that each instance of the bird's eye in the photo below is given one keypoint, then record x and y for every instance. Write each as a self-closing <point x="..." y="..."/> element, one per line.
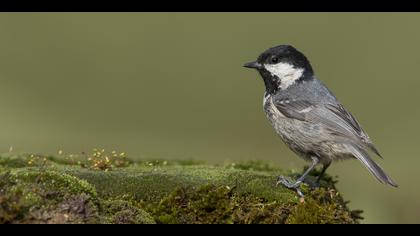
<point x="274" y="59"/>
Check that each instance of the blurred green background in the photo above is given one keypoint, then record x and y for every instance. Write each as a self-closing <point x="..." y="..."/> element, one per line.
<point x="172" y="85"/>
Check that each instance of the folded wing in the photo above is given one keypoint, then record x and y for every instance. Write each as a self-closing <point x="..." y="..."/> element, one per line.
<point x="341" y="126"/>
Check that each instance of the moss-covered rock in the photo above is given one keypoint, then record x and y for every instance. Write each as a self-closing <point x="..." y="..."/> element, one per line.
<point x="216" y="204"/>
<point x="47" y="189"/>
<point x="46" y="196"/>
<point x="117" y="211"/>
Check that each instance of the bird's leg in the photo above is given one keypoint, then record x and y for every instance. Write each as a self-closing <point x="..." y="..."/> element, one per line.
<point x="295" y="185"/>
<point x="324" y="168"/>
<point x="316" y="183"/>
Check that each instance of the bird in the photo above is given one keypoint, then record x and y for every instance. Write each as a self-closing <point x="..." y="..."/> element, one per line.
<point x="309" y="118"/>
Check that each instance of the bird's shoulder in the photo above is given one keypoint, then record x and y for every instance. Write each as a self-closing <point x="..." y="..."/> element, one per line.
<point x="309" y="90"/>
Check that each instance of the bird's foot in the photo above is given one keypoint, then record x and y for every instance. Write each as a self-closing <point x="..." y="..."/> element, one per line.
<point x="288" y="183"/>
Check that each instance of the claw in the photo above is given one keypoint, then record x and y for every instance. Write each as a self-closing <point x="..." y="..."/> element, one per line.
<point x="280" y="180"/>
<point x="300" y="193"/>
<point x="290" y="184"/>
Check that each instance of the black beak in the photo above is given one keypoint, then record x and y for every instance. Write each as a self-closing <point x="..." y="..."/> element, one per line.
<point x="253" y="64"/>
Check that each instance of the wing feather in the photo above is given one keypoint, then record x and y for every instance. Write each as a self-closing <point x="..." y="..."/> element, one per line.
<point x="333" y="117"/>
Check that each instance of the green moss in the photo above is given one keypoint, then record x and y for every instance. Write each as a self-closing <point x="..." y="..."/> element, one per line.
<point x="12" y="160"/>
<point x="124" y="212"/>
<point x="11" y="206"/>
<point x="323" y="207"/>
<point x="211" y="204"/>
<point x="254" y="166"/>
<point x="161" y="162"/>
<point x="46" y="197"/>
<point x="159" y="192"/>
<point x="54" y="181"/>
<point x="152" y="183"/>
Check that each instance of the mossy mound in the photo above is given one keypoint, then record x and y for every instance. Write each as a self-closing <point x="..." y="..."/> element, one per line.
<point x="48" y="189"/>
<point x="32" y="196"/>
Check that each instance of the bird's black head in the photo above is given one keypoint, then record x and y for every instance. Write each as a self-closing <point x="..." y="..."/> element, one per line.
<point x="281" y="67"/>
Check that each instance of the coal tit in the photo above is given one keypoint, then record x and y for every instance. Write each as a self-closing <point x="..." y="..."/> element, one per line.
<point x="308" y="117"/>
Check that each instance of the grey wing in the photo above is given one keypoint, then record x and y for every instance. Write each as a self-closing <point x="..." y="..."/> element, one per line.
<point x="353" y="125"/>
<point x="333" y="117"/>
<point x="341" y="126"/>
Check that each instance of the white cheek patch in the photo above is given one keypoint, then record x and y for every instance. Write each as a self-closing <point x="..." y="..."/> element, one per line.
<point x="287" y="73"/>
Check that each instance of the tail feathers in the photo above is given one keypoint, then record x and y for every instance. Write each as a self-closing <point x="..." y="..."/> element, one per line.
<point x="375" y="150"/>
<point x="374" y="168"/>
